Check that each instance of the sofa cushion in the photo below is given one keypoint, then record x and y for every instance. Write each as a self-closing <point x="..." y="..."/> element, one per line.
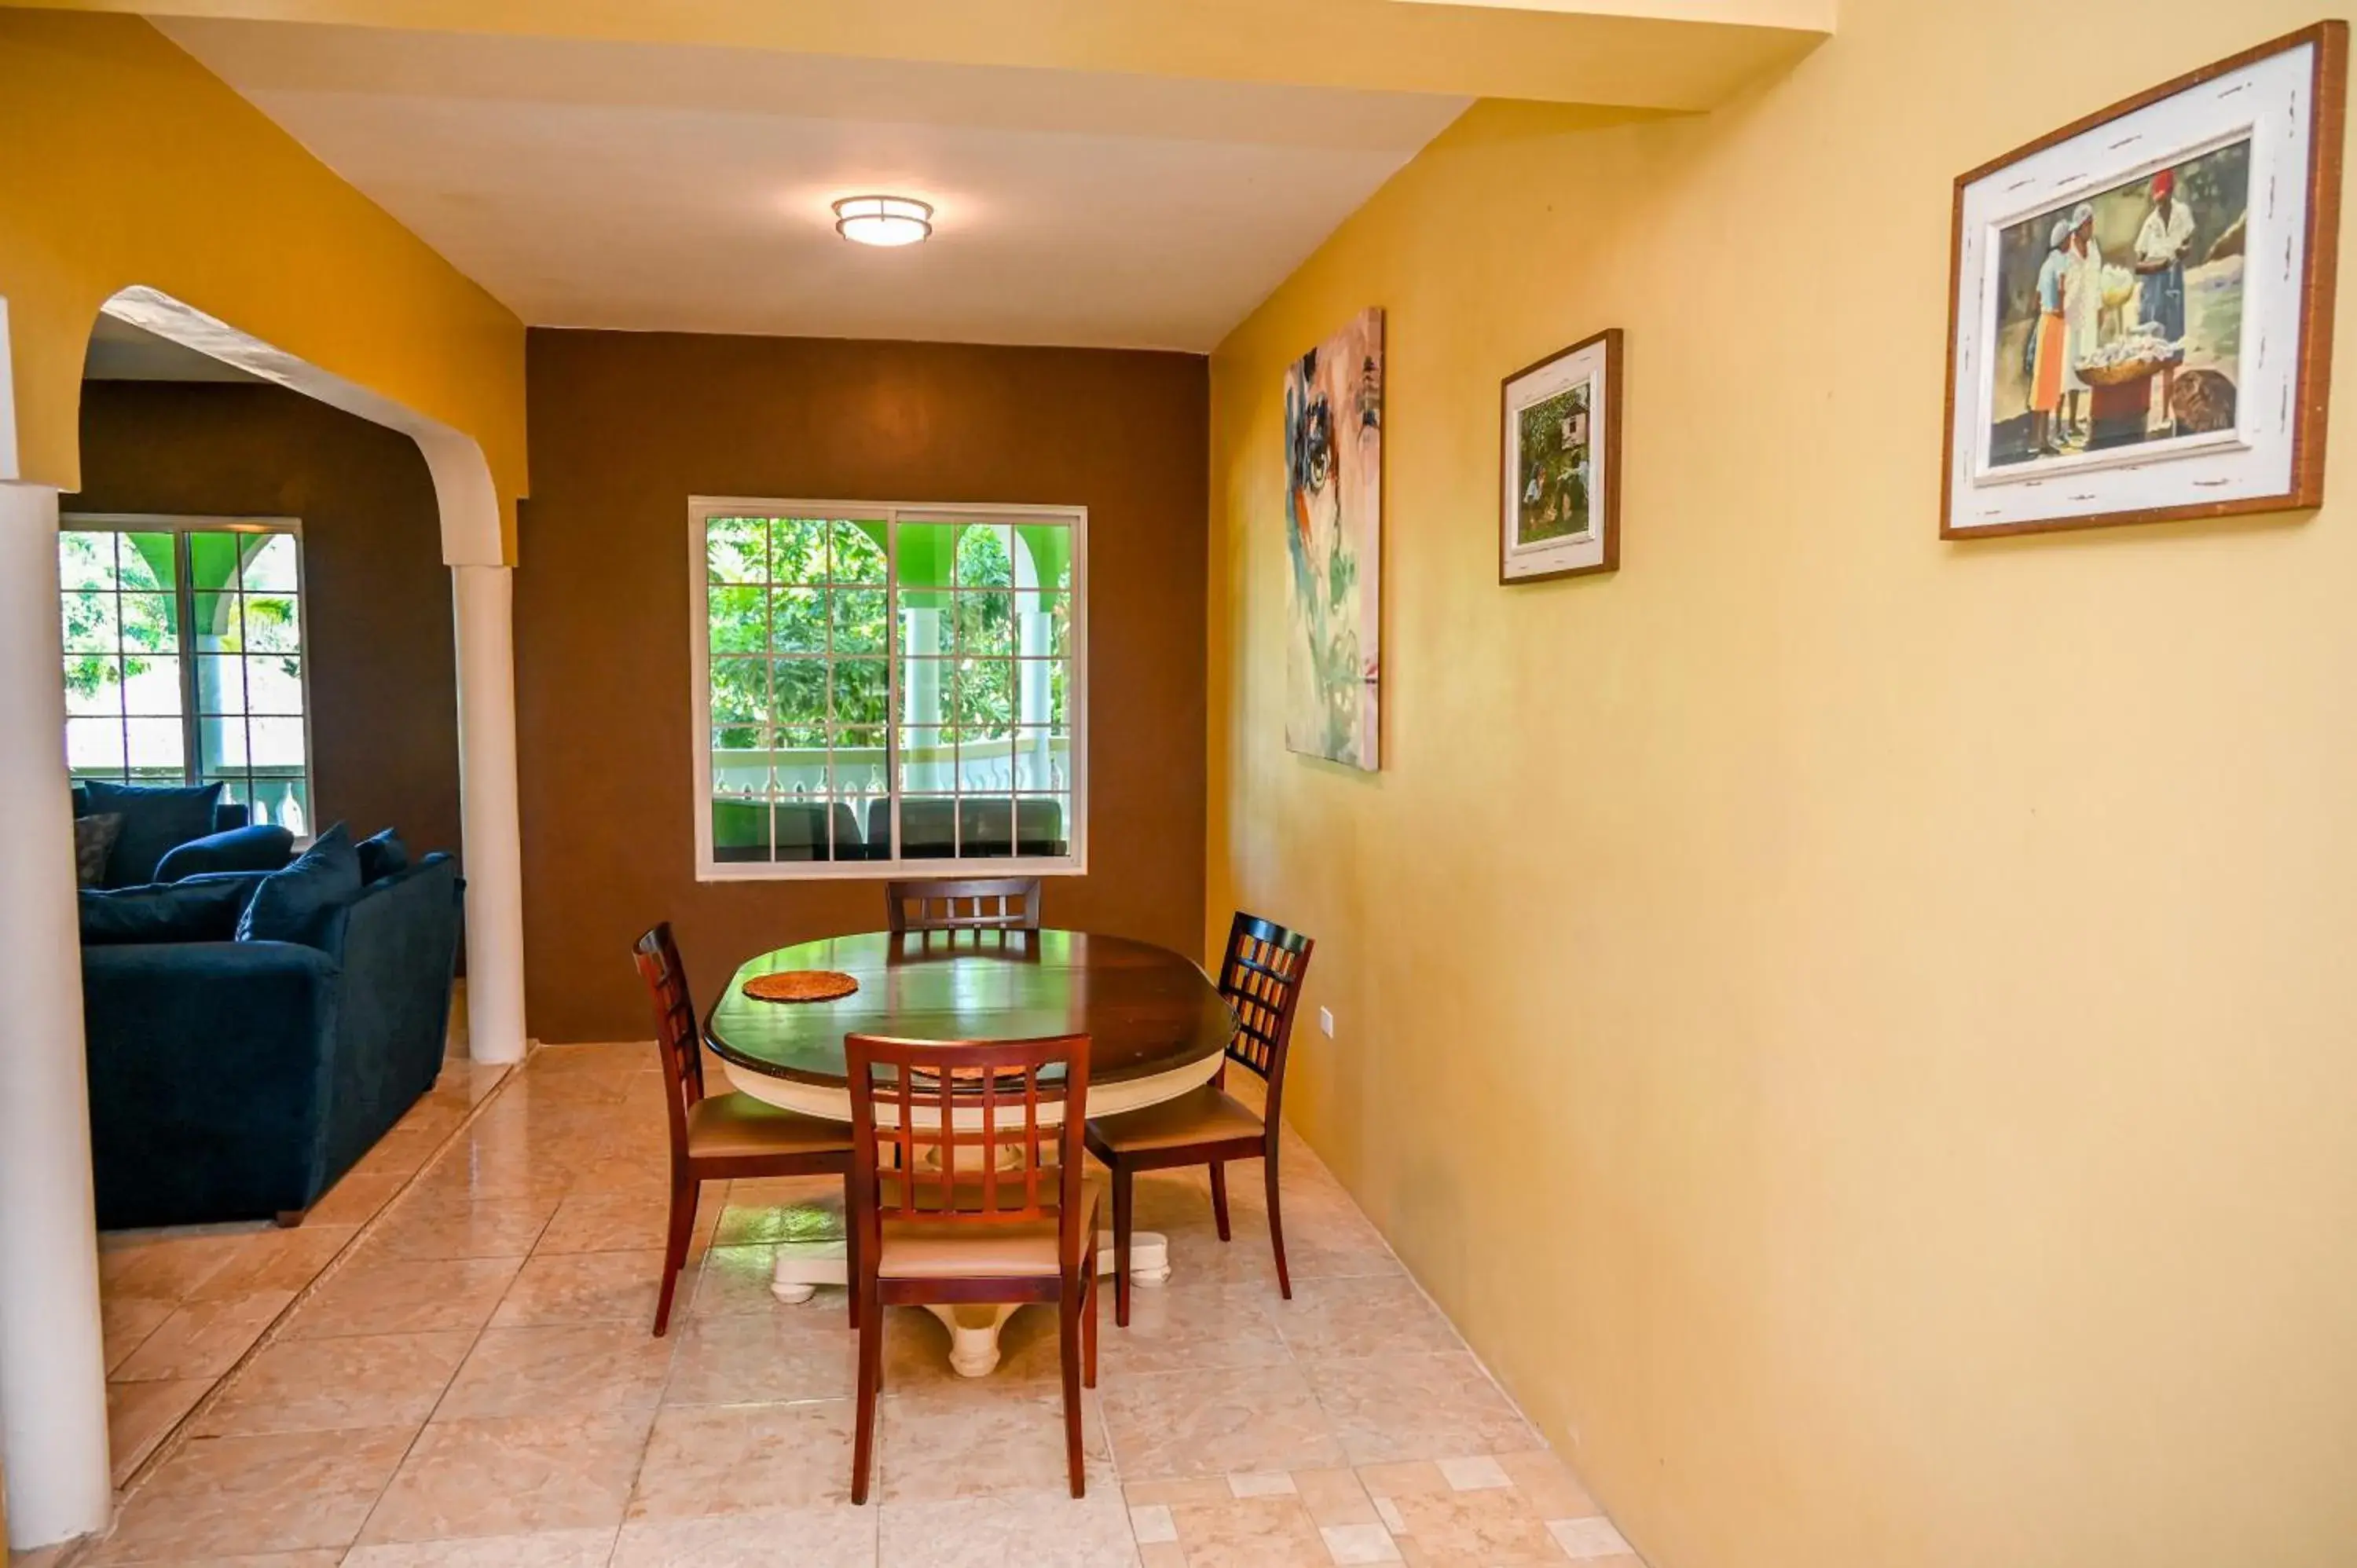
<point x="94" y="844"/>
<point x="155" y="819"/>
<point x="163" y="912"/>
<point x="245" y="882"/>
<point x="263" y="848"/>
<point x="296" y="905"/>
<point x="383" y="855"/>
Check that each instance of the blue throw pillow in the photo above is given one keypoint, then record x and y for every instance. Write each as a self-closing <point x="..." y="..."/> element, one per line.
<point x="296" y="905"/>
<point x="166" y="912"/>
<point x="383" y="855"/>
<point x="156" y="820"/>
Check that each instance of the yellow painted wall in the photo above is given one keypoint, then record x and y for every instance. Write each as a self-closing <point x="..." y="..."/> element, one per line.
<point x="124" y="162"/>
<point x="1857" y="1029"/>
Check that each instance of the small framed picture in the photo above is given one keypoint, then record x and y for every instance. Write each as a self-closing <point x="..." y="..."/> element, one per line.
<point x="1559" y="499"/>
<point x="2140" y="321"/>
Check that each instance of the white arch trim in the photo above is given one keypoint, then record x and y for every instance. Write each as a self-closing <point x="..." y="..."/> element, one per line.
<point x="471" y="531"/>
<point x="482" y="594"/>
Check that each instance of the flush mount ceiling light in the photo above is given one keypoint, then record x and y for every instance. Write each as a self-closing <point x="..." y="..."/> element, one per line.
<point x="884" y="219"/>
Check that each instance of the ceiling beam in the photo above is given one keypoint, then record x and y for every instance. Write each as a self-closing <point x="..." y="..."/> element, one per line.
<point x="1643" y="54"/>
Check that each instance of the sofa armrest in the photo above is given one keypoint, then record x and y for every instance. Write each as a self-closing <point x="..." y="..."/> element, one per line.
<point x="263" y="848"/>
<point x="398" y="943"/>
<point x="208" y="1070"/>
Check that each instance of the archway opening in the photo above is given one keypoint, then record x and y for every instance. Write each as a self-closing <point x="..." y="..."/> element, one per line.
<point x="199" y="628"/>
<point x="469" y="526"/>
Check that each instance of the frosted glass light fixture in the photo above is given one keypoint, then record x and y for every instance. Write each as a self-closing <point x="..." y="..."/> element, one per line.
<point x="883" y="220"/>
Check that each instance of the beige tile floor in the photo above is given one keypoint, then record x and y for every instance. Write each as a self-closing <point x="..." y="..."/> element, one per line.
<point x="474" y="1383"/>
<point x="181" y="1307"/>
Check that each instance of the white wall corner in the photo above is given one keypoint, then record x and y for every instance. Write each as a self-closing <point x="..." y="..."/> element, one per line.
<point x="9" y="467"/>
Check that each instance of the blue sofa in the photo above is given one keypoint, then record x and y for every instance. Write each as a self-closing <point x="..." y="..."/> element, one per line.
<point x="237" y="1078"/>
<point x="170" y="831"/>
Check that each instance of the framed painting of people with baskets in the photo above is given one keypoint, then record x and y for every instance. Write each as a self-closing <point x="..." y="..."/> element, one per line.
<point x="2140" y="326"/>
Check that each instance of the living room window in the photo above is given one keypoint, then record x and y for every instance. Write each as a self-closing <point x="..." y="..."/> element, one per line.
<point x="885" y="687"/>
<point x="184" y="658"/>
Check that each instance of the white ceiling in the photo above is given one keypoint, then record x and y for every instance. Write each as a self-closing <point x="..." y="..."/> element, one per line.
<point x="666" y="188"/>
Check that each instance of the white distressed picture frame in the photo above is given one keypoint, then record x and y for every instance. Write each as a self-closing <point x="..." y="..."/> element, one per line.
<point x="2272" y="99"/>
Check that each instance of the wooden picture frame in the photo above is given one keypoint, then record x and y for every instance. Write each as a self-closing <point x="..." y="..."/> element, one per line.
<point x="2186" y="413"/>
<point x="1559" y="464"/>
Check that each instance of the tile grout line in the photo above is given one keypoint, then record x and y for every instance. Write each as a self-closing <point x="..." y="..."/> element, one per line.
<point x="1262" y="1301"/>
<point x="178" y="1438"/>
<point x="476" y="1342"/>
<point x="683" y="1319"/>
<point x="1269" y="1308"/>
<point x="612" y="1546"/>
<point x="179" y="1304"/>
<point x="1479" y="1364"/>
<point x="1482" y="1366"/>
<point x="124" y="1359"/>
<point x="1300" y="1362"/>
<point x="1423" y="1291"/>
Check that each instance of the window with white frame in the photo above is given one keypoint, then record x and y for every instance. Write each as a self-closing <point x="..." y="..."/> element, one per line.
<point x="884" y="687"/>
<point x="184" y="659"/>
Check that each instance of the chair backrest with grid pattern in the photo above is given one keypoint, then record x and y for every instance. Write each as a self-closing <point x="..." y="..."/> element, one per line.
<point x="678" y="1035"/>
<point x="997" y="903"/>
<point x="967" y="1132"/>
<point x="1261" y="978"/>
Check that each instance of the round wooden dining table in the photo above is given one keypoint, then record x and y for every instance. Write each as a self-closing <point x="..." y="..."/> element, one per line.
<point x="1157" y="1028"/>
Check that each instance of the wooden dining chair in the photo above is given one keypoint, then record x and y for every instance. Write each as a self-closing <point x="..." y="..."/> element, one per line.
<point x="1261" y="979"/>
<point x="723" y="1137"/>
<point x="964" y="1189"/>
<point x="997" y="903"/>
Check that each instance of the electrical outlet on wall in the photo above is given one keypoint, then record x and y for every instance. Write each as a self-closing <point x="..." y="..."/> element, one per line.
<point x="1326" y="1022"/>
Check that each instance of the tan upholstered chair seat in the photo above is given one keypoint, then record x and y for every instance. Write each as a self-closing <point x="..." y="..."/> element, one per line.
<point x="722" y="1126"/>
<point x="1208" y="1115"/>
<point x="913" y="1249"/>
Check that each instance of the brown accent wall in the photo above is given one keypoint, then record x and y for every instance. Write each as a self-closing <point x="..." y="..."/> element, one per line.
<point x="385" y="716"/>
<point x="624" y="427"/>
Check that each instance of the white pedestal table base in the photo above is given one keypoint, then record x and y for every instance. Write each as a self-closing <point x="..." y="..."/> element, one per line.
<point x="803" y="1267"/>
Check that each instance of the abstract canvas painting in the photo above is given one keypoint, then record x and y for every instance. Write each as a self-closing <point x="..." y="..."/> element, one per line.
<point x="2141" y="322"/>
<point x="1334" y="519"/>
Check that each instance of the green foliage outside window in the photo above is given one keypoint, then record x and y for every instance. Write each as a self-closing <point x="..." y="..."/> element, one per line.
<point x="790" y="588"/>
<point x="843" y="651"/>
<point x="119" y="596"/>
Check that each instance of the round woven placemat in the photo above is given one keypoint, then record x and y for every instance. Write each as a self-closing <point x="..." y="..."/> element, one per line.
<point x="801" y="985"/>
